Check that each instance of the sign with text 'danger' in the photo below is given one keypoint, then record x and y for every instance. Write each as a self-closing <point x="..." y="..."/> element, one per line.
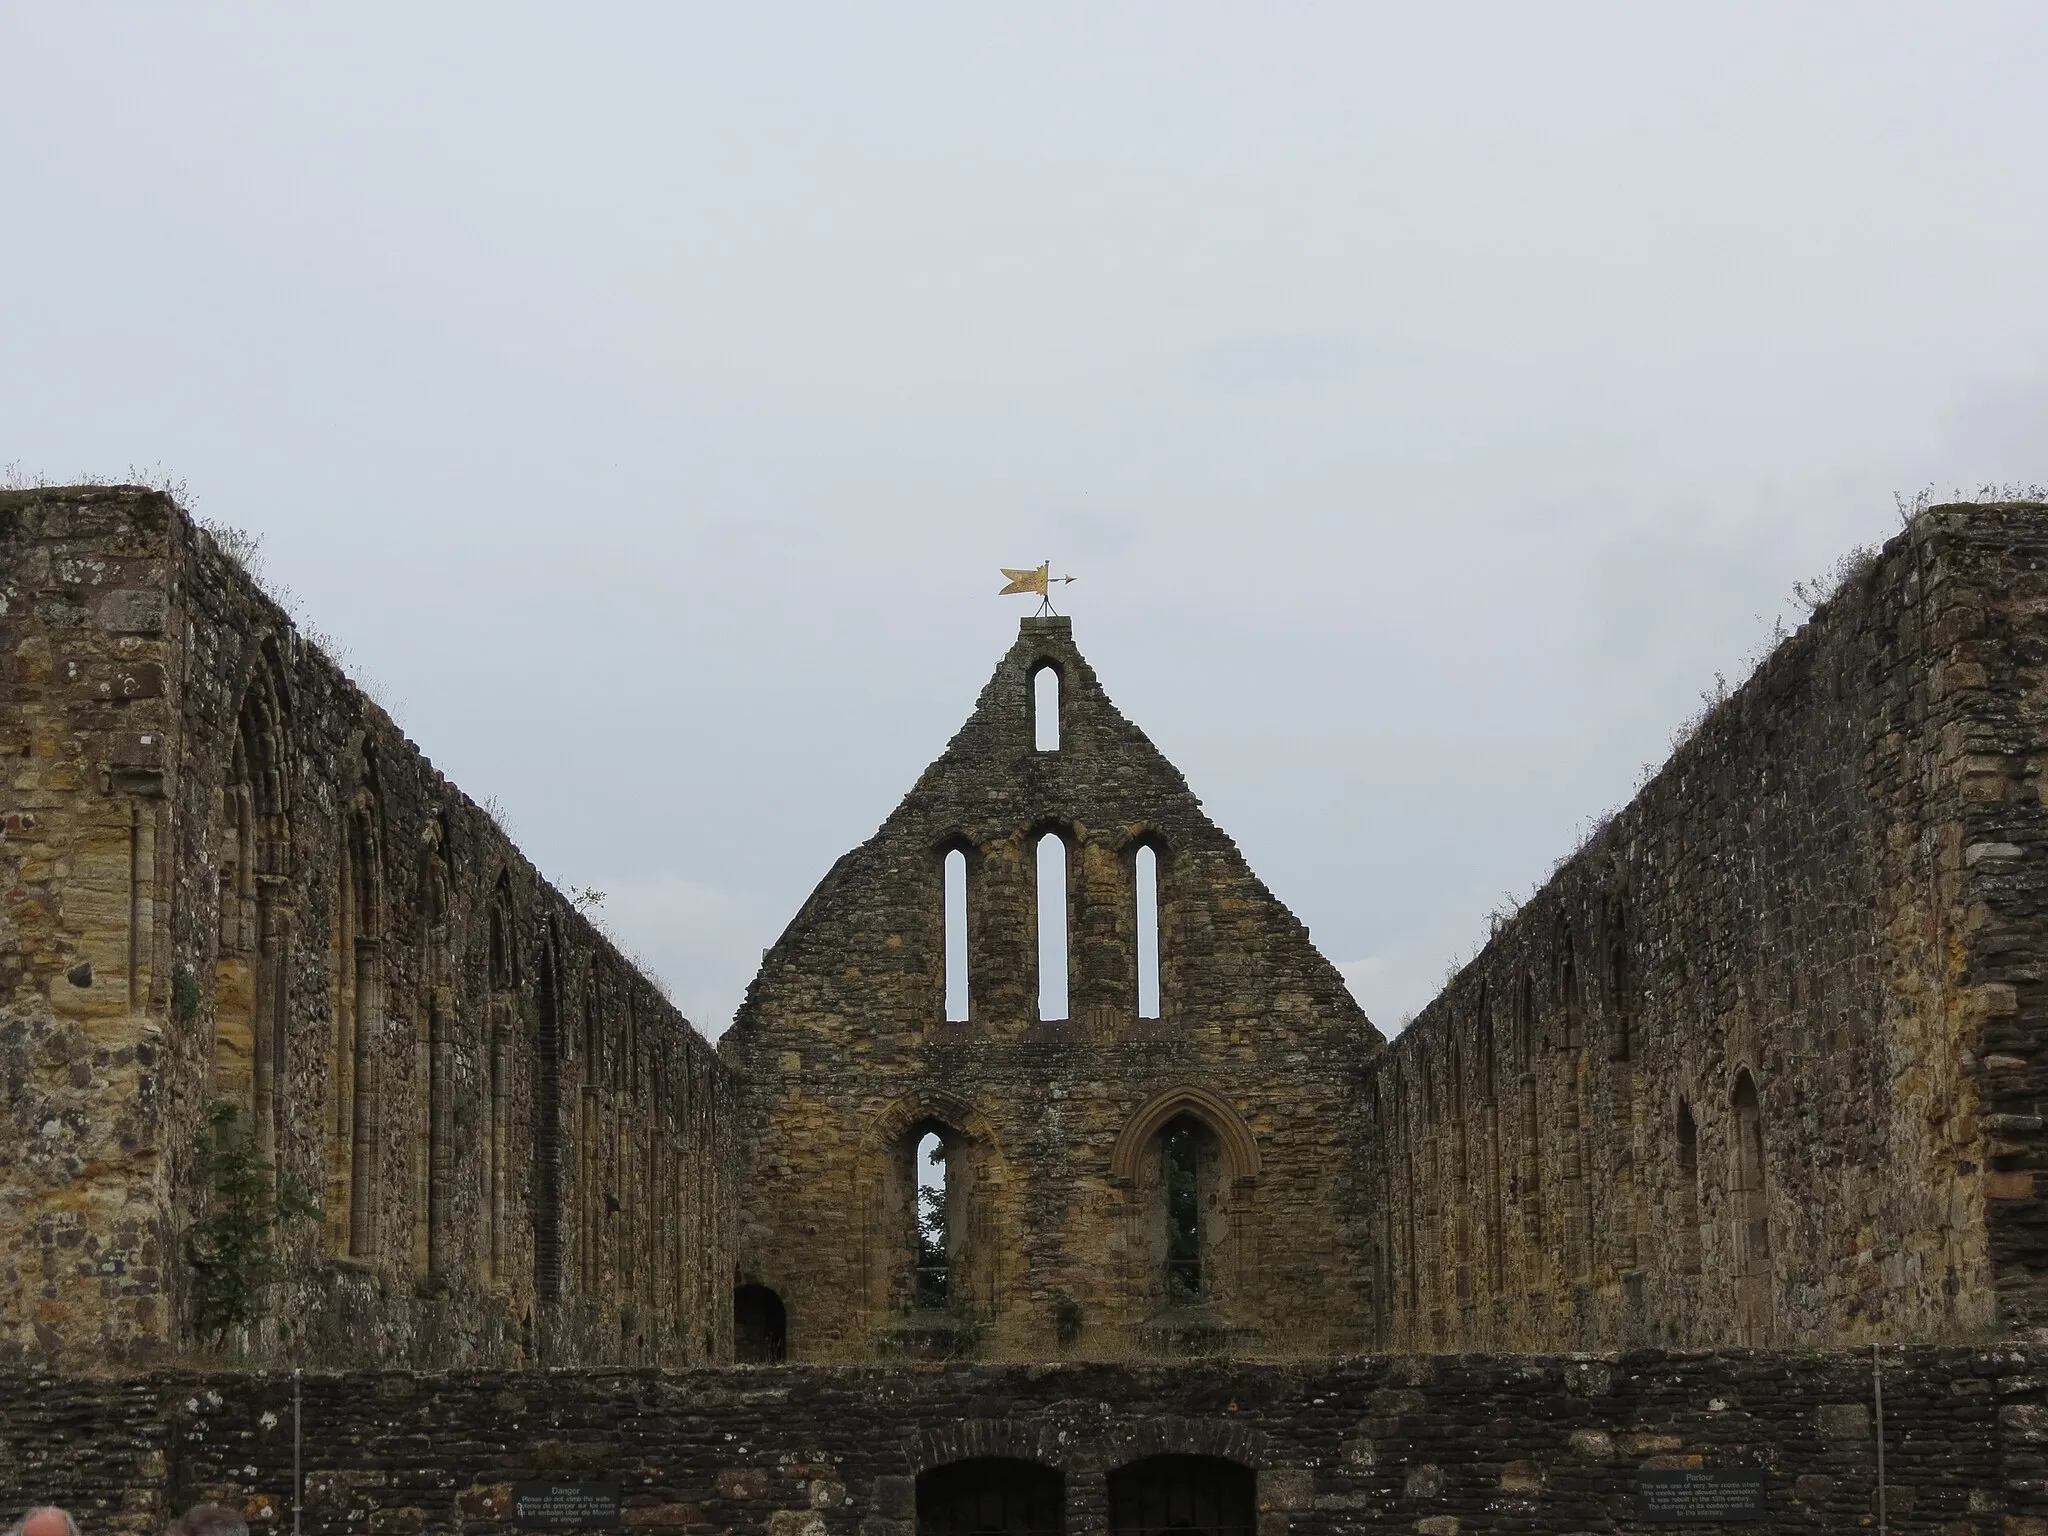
<point x="1702" y="1495"/>
<point x="566" y="1506"/>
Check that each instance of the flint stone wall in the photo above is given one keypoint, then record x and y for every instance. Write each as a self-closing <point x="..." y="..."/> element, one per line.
<point x="1436" y="1447"/>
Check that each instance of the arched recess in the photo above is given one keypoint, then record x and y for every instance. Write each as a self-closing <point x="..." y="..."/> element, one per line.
<point x="550" y="1047"/>
<point x="974" y="1171"/>
<point x="1178" y="1495"/>
<point x="1187" y="1163"/>
<point x="502" y="961"/>
<point x="1241" y="1158"/>
<point x="433" y="1057"/>
<point x="760" y="1326"/>
<point x="354" y="1068"/>
<point x="1749" y="1208"/>
<point x="254" y="864"/>
<point x="1001" y="1494"/>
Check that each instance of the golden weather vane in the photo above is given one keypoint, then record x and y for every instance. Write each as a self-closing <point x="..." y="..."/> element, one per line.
<point x="1039" y="580"/>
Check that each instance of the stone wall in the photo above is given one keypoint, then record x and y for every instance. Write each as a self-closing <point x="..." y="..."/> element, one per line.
<point x="229" y="878"/>
<point x="1055" y="1128"/>
<point x="1764" y="1062"/>
<point x="1430" y="1446"/>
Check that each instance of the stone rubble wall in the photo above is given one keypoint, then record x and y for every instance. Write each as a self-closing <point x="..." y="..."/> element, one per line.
<point x="847" y="1055"/>
<point x="1764" y="1062"/>
<point x="545" y="1145"/>
<point x="1435" y="1447"/>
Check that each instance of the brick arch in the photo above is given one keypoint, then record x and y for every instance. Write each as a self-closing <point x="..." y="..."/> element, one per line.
<point x="966" y="1439"/>
<point x="1240" y="1149"/>
<point x="894" y="1123"/>
<point x="1171" y="1436"/>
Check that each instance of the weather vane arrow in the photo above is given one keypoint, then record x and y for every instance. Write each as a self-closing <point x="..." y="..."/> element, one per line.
<point x="1039" y="580"/>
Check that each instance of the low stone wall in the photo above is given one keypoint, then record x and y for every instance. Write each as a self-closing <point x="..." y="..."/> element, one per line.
<point x="1437" y="1446"/>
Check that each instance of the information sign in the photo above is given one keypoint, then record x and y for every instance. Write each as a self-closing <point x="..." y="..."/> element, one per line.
<point x="565" y="1506"/>
<point x="1700" y="1494"/>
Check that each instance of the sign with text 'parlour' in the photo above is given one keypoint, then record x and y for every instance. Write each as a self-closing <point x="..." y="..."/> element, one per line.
<point x="1700" y="1494"/>
<point x="566" y="1506"/>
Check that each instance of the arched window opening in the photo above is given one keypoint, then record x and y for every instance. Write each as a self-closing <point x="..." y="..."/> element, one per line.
<point x="933" y="1285"/>
<point x="1052" y="926"/>
<point x="760" y="1326"/>
<point x="958" y="1001"/>
<point x="1688" y="1192"/>
<point x="1183" y="1496"/>
<point x="1045" y="708"/>
<point x="1145" y="878"/>
<point x="999" y="1494"/>
<point x="1751" y="1215"/>
<point x="1186" y="1146"/>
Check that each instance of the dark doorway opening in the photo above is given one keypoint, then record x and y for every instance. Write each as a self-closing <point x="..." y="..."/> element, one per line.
<point x="1183" y="1496"/>
<point x="998" y="1494"/>
<point x="760" y="1327"/>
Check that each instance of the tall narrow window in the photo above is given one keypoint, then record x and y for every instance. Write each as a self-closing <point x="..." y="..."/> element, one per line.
<point x="1182" y="1150"/>
<point x="1687" y="1196"/>
<point x="1052" y="926"/>
<point x="934" y="1271"/>
<point x="1146" y="879"/>
<point x="957" y="1004"/>
<point x="1045" y="708"/>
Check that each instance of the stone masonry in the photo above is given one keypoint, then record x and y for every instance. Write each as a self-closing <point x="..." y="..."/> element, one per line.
<point x="1764" y="1062"/>
<point x="1424" y="1446"/>
<point x="227" y="877"/>
<point x="1746" y="1105"/>
<point x="1052" y="1126"/>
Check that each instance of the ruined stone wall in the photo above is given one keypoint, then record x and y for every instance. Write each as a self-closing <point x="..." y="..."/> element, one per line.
<point x="229" y="878"/>
<point x="1055" y="1127"/>
<point x="1429" y="1446"/>
<point x="1764" y="1061"/>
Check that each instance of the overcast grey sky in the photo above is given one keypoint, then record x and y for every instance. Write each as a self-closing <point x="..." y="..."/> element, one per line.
<point x="1431" y="398"/>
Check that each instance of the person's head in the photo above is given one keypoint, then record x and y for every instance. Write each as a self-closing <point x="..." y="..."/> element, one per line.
<point x="209" y="1520"/>
<point x="44" y="1520"/>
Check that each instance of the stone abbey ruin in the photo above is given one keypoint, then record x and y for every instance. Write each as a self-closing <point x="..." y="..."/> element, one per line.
<point x="350" y="1175"/>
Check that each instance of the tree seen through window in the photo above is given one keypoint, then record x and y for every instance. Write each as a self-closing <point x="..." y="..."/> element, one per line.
<point x="934" y="1287"/>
